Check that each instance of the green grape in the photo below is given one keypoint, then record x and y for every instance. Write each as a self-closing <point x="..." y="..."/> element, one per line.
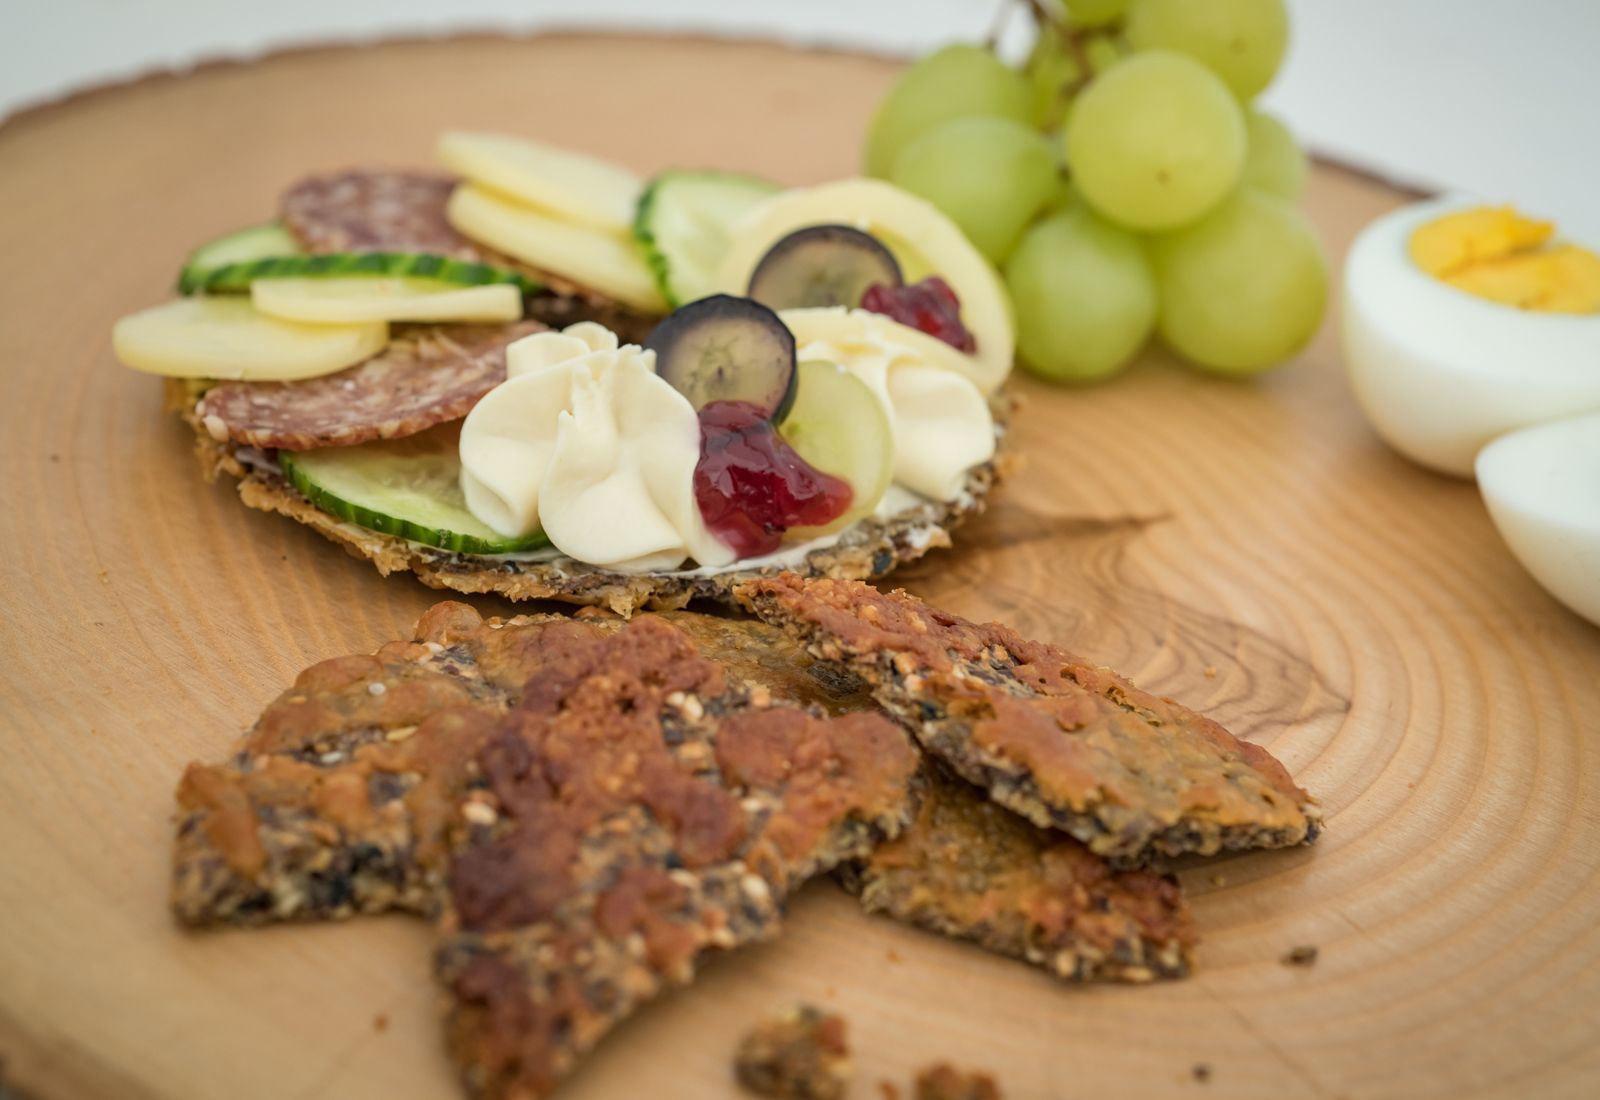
<point x="1155" y="141"/>
<point x="1243" y="288"/>
<point x="1063" y="195"/>
<point x="1102" y="51"/>
<point x="1095" y="13"/>
<point x="1084" y="296"/>
<point x="990" y="175"/>
<point x="1051" y="70"/>
<point x="953" y="82"/>
<point x="1272" y="161"/>
<point x="1242" y="41"/>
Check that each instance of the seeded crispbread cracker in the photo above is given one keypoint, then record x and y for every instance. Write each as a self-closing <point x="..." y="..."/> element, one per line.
<point x="587" y="806"/>
<point x="639" y="810"/>
<point x="968" y="868"/>
<point x="1063" y="742"/>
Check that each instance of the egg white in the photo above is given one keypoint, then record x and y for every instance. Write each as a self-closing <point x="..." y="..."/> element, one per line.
<point x="1440" y="372"/>
<point x="1542" y="486"/>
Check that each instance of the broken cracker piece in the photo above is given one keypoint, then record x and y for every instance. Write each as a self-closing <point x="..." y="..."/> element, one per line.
<point x="635" y="832"/>
<point x="968" y="868"/>
<point x="1065" y="743"/>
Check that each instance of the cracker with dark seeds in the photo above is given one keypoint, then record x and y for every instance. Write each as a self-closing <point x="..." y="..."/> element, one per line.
<point x="338" y="798"/>
<point x="968" y="868"/>
<point x="639" y="810"/>
<point x="1063" y="742"/>
<point x="803" y="1054"/>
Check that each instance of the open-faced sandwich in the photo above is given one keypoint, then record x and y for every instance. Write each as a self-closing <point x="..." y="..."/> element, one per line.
<point x="544" y="377"/>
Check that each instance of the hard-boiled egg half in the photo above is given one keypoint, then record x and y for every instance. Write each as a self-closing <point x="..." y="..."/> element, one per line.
<point x="1473" y="342"/>
<point x="1443" y="363"/>
<point x="1542" y="485"/>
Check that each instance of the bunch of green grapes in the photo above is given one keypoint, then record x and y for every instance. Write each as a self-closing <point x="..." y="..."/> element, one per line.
<point x="1122" y="182"/>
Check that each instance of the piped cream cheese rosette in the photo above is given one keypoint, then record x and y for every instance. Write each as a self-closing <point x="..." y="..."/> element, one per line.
<point x="584" y="440"/>
<point x="940" y="419"/>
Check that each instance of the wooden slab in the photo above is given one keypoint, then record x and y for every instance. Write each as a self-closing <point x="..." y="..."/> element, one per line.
<point x="1249" y="548"/>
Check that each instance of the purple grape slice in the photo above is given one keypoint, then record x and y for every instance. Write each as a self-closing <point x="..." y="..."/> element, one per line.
<point x="823" y="265"/>
<point x="724" y="348"/>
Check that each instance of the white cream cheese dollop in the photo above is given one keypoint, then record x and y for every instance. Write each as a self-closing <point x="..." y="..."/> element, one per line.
<point x="941" y="421"/>
<point x="585" y="440"/>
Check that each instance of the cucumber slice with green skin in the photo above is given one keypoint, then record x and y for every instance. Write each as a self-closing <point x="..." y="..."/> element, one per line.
<point x="233" y="278"/>
<point x="406" y="487"/>
<point x="259" y="242"/>
<point x="683" y="221"/>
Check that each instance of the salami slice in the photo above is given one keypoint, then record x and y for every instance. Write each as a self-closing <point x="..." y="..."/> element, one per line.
<point x="429" y="374"/>
<point x="375" y="210"/>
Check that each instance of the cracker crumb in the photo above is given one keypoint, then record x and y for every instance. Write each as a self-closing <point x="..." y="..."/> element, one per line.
<point x="942" y="1081"/>
<point x="1211" y="672"/>
<point x="1304" y="954"/>
<point x="803" y="1054"/>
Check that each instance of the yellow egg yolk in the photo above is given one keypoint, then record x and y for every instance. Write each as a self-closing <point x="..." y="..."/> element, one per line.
<point x="1497" y="254"/>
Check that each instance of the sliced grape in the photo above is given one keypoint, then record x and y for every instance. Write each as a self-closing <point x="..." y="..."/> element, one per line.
<point x="724" y="348"/>
<point x="822" y="265"/>
<point x="838" y="426"/>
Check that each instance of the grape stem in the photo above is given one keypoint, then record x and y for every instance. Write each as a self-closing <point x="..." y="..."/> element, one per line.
<point x="997" y="25"/>
<point x="1049" y="20"/>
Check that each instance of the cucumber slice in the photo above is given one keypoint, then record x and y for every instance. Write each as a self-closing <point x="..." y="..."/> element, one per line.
<point x="683" y="222"/>
<point x="407" y="487"/>
<point x="363" y="298"/>
<point x="226" y="338"/>
<point x="237" y="277"/>
<point x="259" y="242"/>
<point x="838" y="425"/>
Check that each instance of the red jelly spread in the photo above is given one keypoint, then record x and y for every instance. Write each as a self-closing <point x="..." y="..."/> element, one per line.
<point x="751" y="485"/>
<point x="929" y="306"/>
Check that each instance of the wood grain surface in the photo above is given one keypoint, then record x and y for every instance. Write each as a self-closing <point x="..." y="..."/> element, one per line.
<point x="1249" y="548"/>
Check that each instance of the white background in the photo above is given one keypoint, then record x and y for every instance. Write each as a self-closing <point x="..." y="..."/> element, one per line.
<point x="1496" y="97"/>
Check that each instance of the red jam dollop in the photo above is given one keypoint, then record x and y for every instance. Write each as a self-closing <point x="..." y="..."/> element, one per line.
<point x="751" y="485"/>
<point x="929" y="306"/>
